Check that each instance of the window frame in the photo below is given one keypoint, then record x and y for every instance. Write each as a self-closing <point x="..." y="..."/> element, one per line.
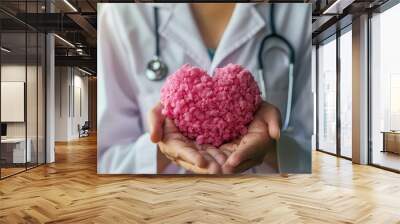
<point x="334" y="37"/>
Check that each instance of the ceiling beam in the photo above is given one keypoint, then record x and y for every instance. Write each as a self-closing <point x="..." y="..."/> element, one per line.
<point x="337" y="7"/>
<point x="84" y="24"/>
<point x="82" y="61"/>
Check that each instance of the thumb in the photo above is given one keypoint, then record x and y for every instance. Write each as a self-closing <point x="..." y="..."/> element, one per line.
<point x="156" y="121"/>
<point x="272" y="117"/>
<point x="274" y="130"/>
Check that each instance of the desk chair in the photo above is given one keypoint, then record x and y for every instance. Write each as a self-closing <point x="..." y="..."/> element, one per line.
<point x="84" y="130"/>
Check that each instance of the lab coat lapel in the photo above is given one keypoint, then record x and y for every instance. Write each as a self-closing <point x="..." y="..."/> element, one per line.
<point x="181" y="28"/>
<point x="245" y="23"/>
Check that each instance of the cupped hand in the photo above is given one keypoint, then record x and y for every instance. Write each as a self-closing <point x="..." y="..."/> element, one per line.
<point x="252" y="149"/>
<point x="204" y="159"/>
<point x="258" y="145"/>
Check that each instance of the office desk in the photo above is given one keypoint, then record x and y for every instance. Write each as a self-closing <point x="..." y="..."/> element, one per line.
<point x="391" y="141"/>
<point x="13" y="150"/>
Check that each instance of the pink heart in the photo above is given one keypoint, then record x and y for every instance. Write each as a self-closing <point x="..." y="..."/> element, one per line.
<point x="211" y="110"/>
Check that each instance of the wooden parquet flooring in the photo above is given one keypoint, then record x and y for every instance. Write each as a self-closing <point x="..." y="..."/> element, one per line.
<point x="70" y="191"/>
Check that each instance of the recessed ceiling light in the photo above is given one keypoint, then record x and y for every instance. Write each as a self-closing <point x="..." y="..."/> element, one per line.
<point x="64" y="40"/>
<point x="5" y="50"/>
<point x="337" y="7"/>
<point x="84" y="71"/>
<point x="70" y="5"/>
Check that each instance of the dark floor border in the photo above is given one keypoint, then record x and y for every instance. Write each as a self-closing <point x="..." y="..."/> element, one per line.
<point x="333" y="154"/>
<point x="385" y="168"/>
<point x="369" y="164"/>
<point x="28" y="168"/>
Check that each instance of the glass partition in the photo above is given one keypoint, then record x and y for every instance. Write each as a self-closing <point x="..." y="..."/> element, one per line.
<point x="14" y="153"/>
<point x="22" y="101"/>
<point x="327" y="96"/>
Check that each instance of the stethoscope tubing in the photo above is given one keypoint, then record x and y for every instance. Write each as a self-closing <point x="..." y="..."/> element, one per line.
<point x="156" y="34"/>
<point x="260" y="58"/>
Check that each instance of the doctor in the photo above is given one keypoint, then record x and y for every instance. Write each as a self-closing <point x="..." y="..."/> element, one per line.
<point x="207" y="36"/>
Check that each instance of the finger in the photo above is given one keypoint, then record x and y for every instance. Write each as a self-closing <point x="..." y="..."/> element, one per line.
<point x="192" y="156"/>
<point x="168" y="151"/>
<point x="191" y="167"/>
<point x="217" y="154"/>
<point x="227" y="169"/>
<point x="156" y="120"/>
<point x="250" y="149"/>
<point x="179" y="147"/>
<point x="171" y="158"/>
<point x="246" y="165"/>
<point x="213" y="166"/>
<point x="230" y="146"/>
<point x="272" y="116"/>
<point x="226" y="152"/>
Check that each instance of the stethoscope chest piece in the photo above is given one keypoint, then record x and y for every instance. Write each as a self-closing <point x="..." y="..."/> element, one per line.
<point x="156" y="70"/>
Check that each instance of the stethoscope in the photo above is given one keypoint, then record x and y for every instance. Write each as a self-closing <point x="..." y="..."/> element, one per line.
<point x="158" y="70"/>
<point x="291" y="55"/>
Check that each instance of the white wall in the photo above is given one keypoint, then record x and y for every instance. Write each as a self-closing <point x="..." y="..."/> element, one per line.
<point x="69" y="84"/>
<point x="61" y="103"/>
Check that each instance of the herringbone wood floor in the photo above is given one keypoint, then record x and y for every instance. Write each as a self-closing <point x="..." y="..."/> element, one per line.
<point x="70" y="191"/>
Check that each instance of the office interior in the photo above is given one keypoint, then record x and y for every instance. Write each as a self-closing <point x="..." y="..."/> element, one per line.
<point x="357" y="110"/>
<point x="48" y="83"/>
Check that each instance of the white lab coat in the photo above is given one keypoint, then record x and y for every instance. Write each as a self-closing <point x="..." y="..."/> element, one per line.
<point x="126" y="42"/>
